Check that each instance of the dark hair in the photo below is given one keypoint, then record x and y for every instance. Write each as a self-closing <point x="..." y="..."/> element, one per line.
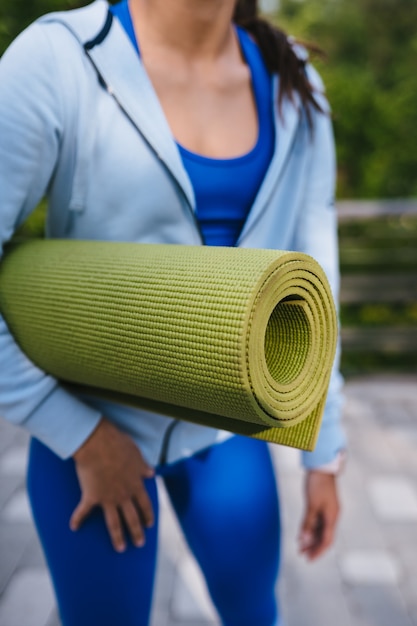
<point x="279" y="55"/>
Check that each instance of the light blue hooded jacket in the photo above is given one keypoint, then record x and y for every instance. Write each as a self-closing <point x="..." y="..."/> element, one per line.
<point x="81" y="123"/>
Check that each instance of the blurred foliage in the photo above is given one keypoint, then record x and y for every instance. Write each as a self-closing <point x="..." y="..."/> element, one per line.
<point x="385" y="245"/>
<point x="379" y="314"/>
<point x="359" y="240"/>
<point x="368" y="363"/>
<point x="371" y="80"/>
<point x="15" y="15"/>
<point x="371" y="48"/>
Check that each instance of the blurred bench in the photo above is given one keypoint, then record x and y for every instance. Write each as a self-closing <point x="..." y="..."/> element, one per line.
<point x="378" y="255"/>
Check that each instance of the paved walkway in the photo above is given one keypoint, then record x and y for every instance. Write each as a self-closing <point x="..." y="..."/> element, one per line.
<point x="368" y="579"/>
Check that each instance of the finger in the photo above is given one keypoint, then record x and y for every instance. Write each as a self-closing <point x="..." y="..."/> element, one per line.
<point x="145" y="506"/>
<point x="328" y="532"/>
<point x="324" y="538"/>
<point x="308" y="530"/>
<point x="80" y="513"/>
<point x="148" y="471"/>
<point x="132" y="520"/>
<point x="311" y="550"/>
<point x="316" y="551"/>
<point x="114" y="526"/>
<point x="312" y="540"/>
<point x="310" y="519"/>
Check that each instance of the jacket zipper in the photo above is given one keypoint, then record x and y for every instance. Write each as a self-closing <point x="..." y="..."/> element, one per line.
<point x="98" y="39"/>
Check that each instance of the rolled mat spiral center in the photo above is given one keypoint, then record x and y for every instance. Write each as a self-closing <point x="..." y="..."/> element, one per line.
<point x="239" y="339"/>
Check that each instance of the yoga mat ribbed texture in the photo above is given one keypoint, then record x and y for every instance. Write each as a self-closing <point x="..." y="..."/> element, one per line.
<point x="240" y="339"/>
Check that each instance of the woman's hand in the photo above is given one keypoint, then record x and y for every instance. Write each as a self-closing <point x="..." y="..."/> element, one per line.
<point x="321" y="515"/>
<point x="111" y="470"/>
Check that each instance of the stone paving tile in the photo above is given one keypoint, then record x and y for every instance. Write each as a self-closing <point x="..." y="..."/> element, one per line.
<point x="28" y="599"/>
<point x="358" y="526"/>
<point x="312" y="594"/>
<point x="385" y="389"/>
<point x="402" y="540"/>
<point x="14" y="461"/>
<point x="393" y="422"/>
<point x="287" y="460"/>
<point x="13" y="543"/>
<point x="17" y="509"/>
<point x="369" y="445"/>
<point x="180" y="594"/>
<point x="379" y="605"/>
<point x="359" y="529"/>
<point x="8" y="486"/>
<point x="364" y="567"/>
<point x="404" y="443"/>
<point x="33" y="556"/>
<point x="190" y="599"/>
<point x="169" y="554"/>
<point x="305" y="589"/>
<point x="408" y="589"/>
<point x="382" y="431"/>
<point x="53" y="619"/>
<point x="8" y="435"/>
<point x="394" y="498"/>
<point x="374" y="450"/>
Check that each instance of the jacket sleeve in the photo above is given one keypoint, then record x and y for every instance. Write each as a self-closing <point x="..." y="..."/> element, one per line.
<point x="31" y="128"/>
<point x="316" y="234"/>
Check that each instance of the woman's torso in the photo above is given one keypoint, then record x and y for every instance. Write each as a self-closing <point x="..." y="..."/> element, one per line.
<point x="120" y="176"/>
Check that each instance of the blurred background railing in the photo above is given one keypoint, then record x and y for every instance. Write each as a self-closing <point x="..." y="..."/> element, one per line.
<point x="378" y="257"/>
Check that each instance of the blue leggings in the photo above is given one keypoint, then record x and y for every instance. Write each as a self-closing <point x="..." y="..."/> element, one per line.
<point x="226" y="501"/>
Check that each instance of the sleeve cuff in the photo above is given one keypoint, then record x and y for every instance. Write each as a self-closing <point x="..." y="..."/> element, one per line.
<point x="330" y="442"/>
<point x="62" y="422"/>
<point x="334" y="467"/>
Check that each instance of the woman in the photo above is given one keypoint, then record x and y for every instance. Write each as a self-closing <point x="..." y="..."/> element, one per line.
<point x="163" y="122"/>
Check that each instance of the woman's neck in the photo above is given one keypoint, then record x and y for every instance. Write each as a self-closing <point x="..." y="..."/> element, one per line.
<point x="197" y="29"/>
<point x="192" y="56"/>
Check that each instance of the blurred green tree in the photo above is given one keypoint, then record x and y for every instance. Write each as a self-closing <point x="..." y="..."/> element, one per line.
<point x="371" y="80"/>
<point x="370" y="76"/>
<point x="15" y="15"/>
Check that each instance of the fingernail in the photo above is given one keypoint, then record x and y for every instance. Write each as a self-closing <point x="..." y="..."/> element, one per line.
<point x="305" y="540"/>
<point x="140" y="543"/>
<point x="121" y="547"/>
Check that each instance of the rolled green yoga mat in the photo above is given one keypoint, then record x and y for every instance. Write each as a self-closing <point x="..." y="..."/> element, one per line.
<point x="239" y="339"/>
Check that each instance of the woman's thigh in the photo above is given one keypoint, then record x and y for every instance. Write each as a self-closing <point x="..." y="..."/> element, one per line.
<point x="227" y="503"/>
<point x="93" y="583"/>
